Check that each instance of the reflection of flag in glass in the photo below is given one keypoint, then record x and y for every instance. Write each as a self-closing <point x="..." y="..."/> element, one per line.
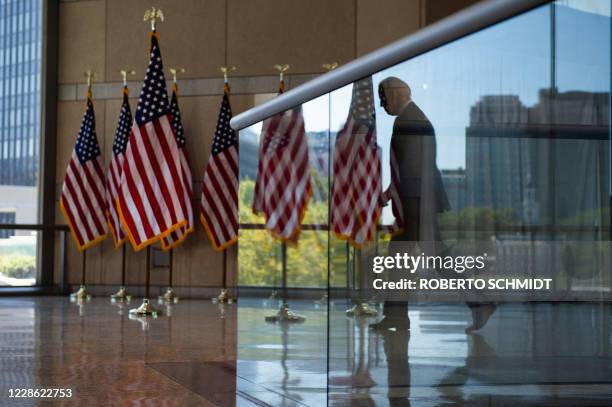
<point x="219" y="212"/>
<point x="356" y="189"/>
<point x="151" y="195"/>
<point x="82" y="199"/>
<point x="392" y="194"/>
<point x="282" y="187"/>
<point x="176" y="237"/>
<point x="113" y="176"/>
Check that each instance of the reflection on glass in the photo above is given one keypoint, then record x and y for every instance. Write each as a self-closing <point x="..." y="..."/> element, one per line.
<point x="502" y="141"/>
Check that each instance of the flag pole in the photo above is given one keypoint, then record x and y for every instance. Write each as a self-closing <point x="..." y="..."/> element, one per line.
<point x="224" y="297"/>
<point x="146" y="308"/>
<point x="122" y="294"/>
<point x="284" y="314"/>
<point x="153" y="14"/>
<point x="361" y="307"/>
<point x="169" y="296"/>
<point x="82" y="293"/>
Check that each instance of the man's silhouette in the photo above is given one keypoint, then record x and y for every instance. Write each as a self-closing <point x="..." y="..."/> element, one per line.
<point x="421" y="192"/>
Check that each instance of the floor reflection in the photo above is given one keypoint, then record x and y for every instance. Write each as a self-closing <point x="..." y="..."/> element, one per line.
<point x="528" y="354"/>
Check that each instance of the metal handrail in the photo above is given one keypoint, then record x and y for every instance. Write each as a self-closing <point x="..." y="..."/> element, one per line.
<point x="496" y="228"/>
<point x="468" y="21"/>
<point x="23" y="226"/>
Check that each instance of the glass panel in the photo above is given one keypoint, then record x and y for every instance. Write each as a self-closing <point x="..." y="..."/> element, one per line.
<point x="20" y="61"/>
<point x="285" y="361"/>
<point x="18" y="254"/>
<point x="491" y="156"/>
<point x="502" y="147"/>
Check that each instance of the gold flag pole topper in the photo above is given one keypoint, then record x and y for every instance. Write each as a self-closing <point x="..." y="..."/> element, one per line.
<point x="90" y="75"/>
<point x="330" y="67"/>
<point x="226" y="70"/>
<point x="153" y="14"/>
<point x="122" y="295"/>
<point x="174" y="72"/>
<point x="281" y="76"/>
<point x="124" y="74"/>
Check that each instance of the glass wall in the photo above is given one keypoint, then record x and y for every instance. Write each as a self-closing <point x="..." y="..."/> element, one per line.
<point x="494" y="148"/>
<point x="20" y="67"/>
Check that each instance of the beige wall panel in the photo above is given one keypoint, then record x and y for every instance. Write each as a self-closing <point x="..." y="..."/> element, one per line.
<point x="82" y="39"/>
<point x="384" y="21"/>
<point x="192" y="36"/>
<point x="304" y="34"/>
<point x="196" y="263"/>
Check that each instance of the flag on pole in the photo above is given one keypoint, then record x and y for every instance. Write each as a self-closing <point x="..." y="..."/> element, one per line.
<point x="82" y="198"/>
<point x="356" y="188"/>
<point x="152" y="188"/>
<point x="282" y="185"/>
<point x="176" y="237"/>
<point x="219" y="210"/>
<point x="113" y="175"/>
<point x="392" y="194"/>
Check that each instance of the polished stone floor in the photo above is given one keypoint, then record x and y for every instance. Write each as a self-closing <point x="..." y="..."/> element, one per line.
<point x="202" y="354"/>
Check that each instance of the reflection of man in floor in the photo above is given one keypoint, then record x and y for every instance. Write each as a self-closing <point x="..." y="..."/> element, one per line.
<point x="421" y="193"/>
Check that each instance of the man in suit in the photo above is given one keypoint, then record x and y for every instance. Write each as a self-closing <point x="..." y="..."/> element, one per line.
<point x="421" y="193"/>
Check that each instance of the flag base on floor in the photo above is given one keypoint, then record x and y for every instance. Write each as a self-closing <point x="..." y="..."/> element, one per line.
<point x="80" y="295"/>
<point x="362" y="309"/>
<point x="145" y="309"/>
<point x="121" y="295"/>
<point x="284" y="314"/>
<point x="168" y="297"/>
<point x="223" y="298"/>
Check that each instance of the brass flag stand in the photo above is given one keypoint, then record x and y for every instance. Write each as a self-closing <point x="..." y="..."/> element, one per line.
<point x="224" y="297"/>
<point x="169" y="296"/>
<point x="122" y="294"/>
<point x="82" y="294"/>
<point x="361" y="307"/>
<point x="284" y="314"/>
<point x="146" y="309"/>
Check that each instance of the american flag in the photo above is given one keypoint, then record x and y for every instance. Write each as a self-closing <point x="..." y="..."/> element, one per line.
<point x="282" y="185"/>
<point x="82" y="199"/>
<point x="113" y="176"/>
<point x="219" y="211"/>
<point x="151" y="195"/>
<point x="356" y="188"/>
<point x="392" y="194"/>
<point x="176" y="237"/>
